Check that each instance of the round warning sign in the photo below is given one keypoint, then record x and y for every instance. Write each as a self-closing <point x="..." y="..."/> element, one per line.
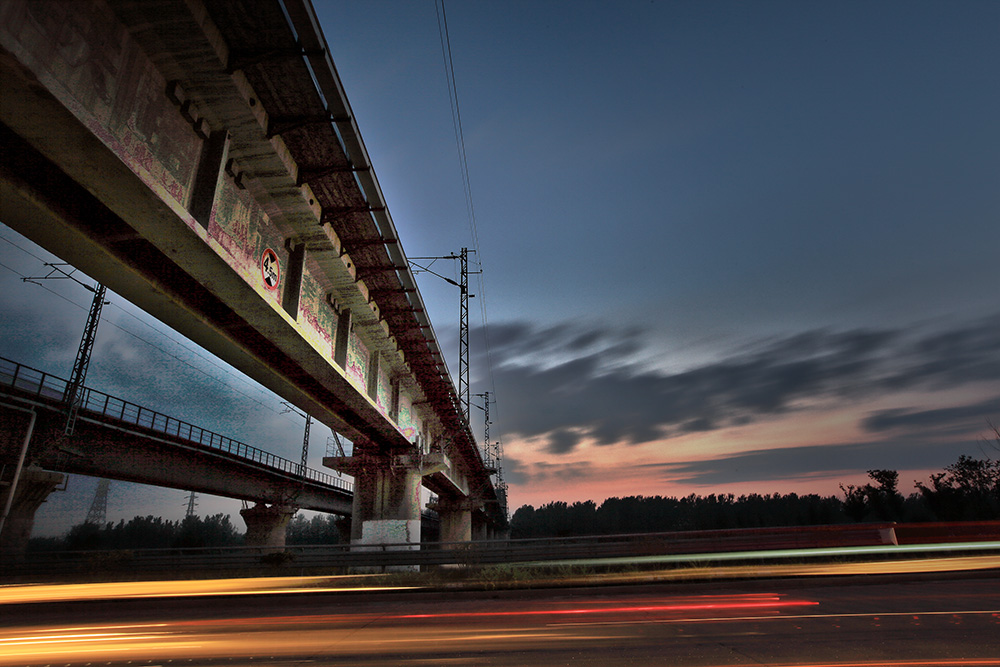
<point x="270" y="270"/>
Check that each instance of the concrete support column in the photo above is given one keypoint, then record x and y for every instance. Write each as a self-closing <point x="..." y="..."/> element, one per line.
<point x="343" y="529"/>
<point x="267" y="525"/>
<point x="479" y="527"/>
<point x="386" y="506"/>
<point x="456" y="520"/>
<point x="33" y="487"/>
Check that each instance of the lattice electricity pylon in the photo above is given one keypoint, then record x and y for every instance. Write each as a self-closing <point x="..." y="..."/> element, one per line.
<point x="463" y="319"/>
<point x="73" y="397"/>
<point x="191" y="504"/>
<point x="98" y="513"/>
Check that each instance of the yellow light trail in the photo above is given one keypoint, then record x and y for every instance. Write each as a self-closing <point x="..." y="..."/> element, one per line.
<point x="22" y="593"/>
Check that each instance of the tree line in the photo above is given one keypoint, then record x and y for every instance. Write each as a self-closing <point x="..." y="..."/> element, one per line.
<point x="149" y="532"/>
<point x="966" y="490"/>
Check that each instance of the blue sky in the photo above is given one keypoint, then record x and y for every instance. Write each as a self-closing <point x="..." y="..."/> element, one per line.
<point x="719" y="239"/>
<point x="726" y="246"/>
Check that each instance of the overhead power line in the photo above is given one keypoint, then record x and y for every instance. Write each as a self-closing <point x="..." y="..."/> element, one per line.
<point x="456" y="113"/>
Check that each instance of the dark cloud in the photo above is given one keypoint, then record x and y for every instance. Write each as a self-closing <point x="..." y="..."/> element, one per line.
<point x="569" y="382"/>
<point x="951" y="358"/>
<point x="563" y="440"/>
<point x="517" y="473"/>
<point x="959" y="418"/>
<point x="797" y="463"/>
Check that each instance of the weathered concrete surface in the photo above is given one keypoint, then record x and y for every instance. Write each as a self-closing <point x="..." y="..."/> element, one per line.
<point x="456" y="522"/>
<point x="33" y="488"/>
<point x="386" y="492"/>
<point x="267" y="525"/>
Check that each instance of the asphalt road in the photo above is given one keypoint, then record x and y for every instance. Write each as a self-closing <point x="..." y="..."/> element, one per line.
<point x="911" y="621"/>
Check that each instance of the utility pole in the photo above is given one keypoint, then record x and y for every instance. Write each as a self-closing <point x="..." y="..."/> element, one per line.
<point x="488" y="457"/>
<point x="305" y="438"/>
<point x="463" y="335"/>
<point x="305" y="446"/>
<point x="493" y="453"/>
<point x="463" y="319"/>
<point x="73" y="395"/>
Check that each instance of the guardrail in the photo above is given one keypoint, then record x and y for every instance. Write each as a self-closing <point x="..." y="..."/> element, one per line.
<point x="700" y="546"/>
<point x="34" y="382"/>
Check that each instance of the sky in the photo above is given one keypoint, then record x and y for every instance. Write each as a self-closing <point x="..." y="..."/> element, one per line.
<point x="726" y="247"/>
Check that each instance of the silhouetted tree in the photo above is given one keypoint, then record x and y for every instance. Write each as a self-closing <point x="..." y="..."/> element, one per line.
<point x="320" y="529"/>
<point x="522" y="523"/>
<point x="646" y="514"/>
<point x="885" y="500"/>
<point x="874" y="502"/>
<point x="147" y="532"/>
<point x="968" y="489"/>
<point x="212" y="531"/>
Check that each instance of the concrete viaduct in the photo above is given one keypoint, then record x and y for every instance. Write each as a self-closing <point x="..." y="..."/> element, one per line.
<point x="118" y="439"/>
<point x="200" y="158"/>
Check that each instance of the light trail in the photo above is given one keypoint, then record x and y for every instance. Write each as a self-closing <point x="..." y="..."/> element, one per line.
<point x="784" y="617"/>
<point x="22" y="593"/>
<point x="784" y="554"/>
<point x="328" y="636"/>
<point x="769" y="604"/>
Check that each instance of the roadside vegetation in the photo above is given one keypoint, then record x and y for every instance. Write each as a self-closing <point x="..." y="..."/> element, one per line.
<point x="967" y="490"/>
<point x="149" y="532"/>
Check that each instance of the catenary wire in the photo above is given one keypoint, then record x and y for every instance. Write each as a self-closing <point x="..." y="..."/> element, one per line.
<point x="445" y="38"/>
<point x="144" y="340"/>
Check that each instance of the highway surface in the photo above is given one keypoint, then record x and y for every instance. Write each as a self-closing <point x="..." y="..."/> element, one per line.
<point x="911" y="620"/>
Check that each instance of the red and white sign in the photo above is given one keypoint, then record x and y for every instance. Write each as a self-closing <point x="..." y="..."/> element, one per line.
<point x="270" y="270"/>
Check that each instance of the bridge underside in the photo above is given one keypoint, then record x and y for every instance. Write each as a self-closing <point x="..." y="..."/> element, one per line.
<point x="162" y="147"/>
<point x="133" y="454"/>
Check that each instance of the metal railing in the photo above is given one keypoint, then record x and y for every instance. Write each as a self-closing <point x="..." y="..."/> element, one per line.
<point x="38" y="383"/>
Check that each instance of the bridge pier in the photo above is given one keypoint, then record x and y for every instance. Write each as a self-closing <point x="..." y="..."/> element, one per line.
<point x="33" y="488"/>
<point x="456" y="519"/>
<point x="480" y="531"/>
<point x="267" y="524"/>
<point x="386" y="507"/>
